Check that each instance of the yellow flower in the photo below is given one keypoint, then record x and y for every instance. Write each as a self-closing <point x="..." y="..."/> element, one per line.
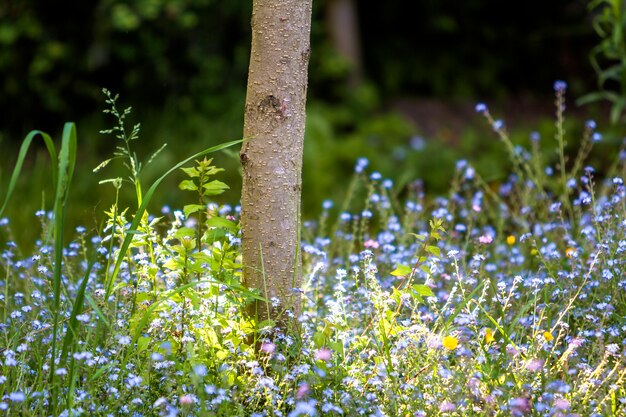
<point x="548" y="336"/>
<point x="489" y="335"/>
<point x="450" y="342"/>
<point x="510" y="240"/>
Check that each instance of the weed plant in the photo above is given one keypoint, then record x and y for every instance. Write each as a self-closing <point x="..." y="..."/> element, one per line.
<point x="497" y="300"/>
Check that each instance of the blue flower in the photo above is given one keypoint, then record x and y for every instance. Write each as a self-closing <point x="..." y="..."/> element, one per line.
<point x="560" y="86"/>
<point x="481" y="108"/>
<point x="535" y="136"/>
<point x="498" y="124"/>
<point x="361" y="164"/>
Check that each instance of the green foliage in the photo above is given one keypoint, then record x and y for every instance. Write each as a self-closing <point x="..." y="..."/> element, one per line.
<point x="608" y="58"/>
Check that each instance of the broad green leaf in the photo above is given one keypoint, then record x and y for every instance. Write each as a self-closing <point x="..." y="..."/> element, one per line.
<point x="192" y="208"/>
<point x="423" y="290"/>
<point x="433" y="250"/>
<point x="188" y="185"/>
<point x="184" y="232"/>
<point x="401" y="271"/>
<point x="143" y="343"/>
<point x="222" y="223"/>
<point x="214" y="187"/>
<point x="191" y="172"/>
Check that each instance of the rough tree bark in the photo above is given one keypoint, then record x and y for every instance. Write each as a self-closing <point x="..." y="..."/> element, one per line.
<point x="272" y="157"/>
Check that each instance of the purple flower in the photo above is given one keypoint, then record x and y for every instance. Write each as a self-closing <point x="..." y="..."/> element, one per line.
<point x="447" y="407"/>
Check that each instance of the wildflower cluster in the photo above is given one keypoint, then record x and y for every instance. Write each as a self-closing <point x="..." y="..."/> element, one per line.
<point x="503" y="300"/>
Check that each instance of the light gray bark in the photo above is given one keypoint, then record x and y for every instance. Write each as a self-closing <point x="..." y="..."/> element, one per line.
<point x="272" y="157"/>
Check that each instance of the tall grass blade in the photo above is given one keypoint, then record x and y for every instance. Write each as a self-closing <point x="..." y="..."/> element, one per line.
<point x="67" y="161"/>
<point x="20" y="162"/>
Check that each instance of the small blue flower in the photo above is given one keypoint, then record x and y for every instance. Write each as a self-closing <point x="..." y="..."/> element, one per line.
<point x="376" y="176"/>
<point x="327" y="204"/>
<point x="596" y="137"/>
<point x="590" y="124"/>
<point x="498" y="124"/>
<point x="17" y="397"/>
<point x="535" y="136"/>
<point x="361" y="164"/>
<point x="481" y="108"/>
<point x="560" y="86"/>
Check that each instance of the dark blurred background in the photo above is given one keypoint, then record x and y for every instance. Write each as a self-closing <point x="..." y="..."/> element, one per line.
<point x="394" y="83"/>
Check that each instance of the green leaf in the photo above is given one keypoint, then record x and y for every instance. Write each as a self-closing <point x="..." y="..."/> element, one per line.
<point x="221" y="222"/>
<point x="320" y="339"/>
<point x="184" y="232"/>
<point x="143" y="343"/>
<point x="192" y="208"/>
<point x="188" y="185"/>
<point x="214" y="187"/>
<point x="433" y="250"/>
<point x="401" y="271"/>
<point x="418" y="237"/>
<point x="423" y="290"/>
<point x="191" y="172"/>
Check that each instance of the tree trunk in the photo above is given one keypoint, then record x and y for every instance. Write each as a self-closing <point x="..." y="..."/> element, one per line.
<point x="272" y="157"/>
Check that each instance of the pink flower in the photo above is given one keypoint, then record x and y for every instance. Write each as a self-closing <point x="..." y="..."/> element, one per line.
<point x="485" y="239"/>
<point x="186" y="400"/>
<point x="323" y="354"/>
<point x="520" y="406"/>
<point x="534" y="365"/>
<point x="561" y="404"/>
<point x="371" y="244"/>
<point x="268" y="348"/>
<point x="303" y="390"/>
